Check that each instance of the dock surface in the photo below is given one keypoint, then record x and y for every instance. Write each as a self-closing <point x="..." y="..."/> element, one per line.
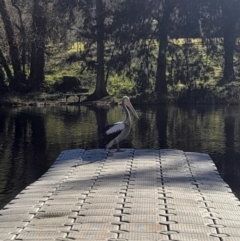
<point x="133" y="195"/>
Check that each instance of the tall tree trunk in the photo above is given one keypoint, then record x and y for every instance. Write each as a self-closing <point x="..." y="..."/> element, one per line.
<point x="229" y="46"/>
<point x="4" y="63"/>
<point x="38" y="44"/>
<point x="100" y="89"/>
<point x="163" y="29"/>
<point x="230" y="21"/>
<point x="161" y="81"/>
<point x="13" y="48"/>
<point x="23" y="35"/>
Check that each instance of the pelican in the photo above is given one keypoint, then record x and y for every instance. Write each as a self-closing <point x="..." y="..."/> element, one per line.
<point x="115" y="133"/>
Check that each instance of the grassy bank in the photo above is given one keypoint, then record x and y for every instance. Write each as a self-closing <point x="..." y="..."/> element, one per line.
<point x="193" y="77"/>
<point x="229" y="94"/>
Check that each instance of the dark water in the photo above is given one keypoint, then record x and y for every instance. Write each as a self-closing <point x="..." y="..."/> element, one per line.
<point x="31" y="138"/>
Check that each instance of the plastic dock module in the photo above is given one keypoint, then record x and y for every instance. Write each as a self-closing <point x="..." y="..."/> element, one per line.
<point x="132" y="195"/>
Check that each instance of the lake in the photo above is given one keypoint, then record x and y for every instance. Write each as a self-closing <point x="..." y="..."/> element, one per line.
<point x="31" y="138"/>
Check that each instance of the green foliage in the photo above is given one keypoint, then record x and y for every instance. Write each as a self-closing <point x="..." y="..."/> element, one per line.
<point x="192" y="72"/>
<point x="189" y="64"/>
<point x="230" y="93"/>
<point x="206" y="94"/>
<point x="57" y="67"/>
<point x="120" y="85"/>
<point x="198" y="39"/>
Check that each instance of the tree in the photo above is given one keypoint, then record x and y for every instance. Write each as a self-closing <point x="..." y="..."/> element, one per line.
<point x="220" y="19"/>
<point x="230" y="19"/>
<point x="18" y="77"/>
<point x="163" y="24"/>
<point x="91" y="31"/>
<point x="39" y="28"/>
<point x="62" y="21"/>
<point x="22" y="32"/>
<point x="134" y="42"/>
<point x="100" y="89"/>
<point x="4" y="63"/>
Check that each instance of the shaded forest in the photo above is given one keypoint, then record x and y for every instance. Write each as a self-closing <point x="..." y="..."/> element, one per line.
<point x="152" y="48"/>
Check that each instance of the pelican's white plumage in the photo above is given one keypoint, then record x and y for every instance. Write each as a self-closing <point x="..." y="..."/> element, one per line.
<point x="115" y="133"/>
<point x="119" y="126"/>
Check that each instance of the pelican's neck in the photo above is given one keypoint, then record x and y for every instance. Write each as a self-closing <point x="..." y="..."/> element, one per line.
<point x="127" y="120"/>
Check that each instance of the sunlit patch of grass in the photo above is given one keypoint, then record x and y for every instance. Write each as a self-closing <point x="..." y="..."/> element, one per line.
<point x="55" y="70"/>
<point x="76" y="47"/>
<point x="179" y="86"/>
<point x="119" y="85"/>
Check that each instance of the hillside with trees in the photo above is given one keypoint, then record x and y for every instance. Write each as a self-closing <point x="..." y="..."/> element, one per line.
<point x="155" y="49"/>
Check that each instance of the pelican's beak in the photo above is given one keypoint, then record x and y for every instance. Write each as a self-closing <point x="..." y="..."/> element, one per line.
<point x="129" y="105"/>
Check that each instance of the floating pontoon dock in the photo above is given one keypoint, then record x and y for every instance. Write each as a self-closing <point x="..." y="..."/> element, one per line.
<point x="133" y="195"/>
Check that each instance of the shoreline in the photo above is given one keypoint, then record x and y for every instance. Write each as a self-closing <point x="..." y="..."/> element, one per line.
<point x="43" y="99"/>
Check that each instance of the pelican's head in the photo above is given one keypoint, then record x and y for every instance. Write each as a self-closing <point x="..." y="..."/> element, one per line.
<point x="126" y="102"/>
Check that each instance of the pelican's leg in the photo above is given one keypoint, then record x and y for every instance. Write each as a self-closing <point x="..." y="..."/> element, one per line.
<point x="118" y="147"/>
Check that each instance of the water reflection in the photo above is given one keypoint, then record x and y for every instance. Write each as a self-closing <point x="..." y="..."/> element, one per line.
<point x="31" y="138"/>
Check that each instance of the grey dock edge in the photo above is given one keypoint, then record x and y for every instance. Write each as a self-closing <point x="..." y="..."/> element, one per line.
<point x="150" y="195"/>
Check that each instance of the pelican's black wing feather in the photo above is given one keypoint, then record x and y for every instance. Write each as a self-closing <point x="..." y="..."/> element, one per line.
<point x="106" y="129"/>
<point x="108" y="137"/>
